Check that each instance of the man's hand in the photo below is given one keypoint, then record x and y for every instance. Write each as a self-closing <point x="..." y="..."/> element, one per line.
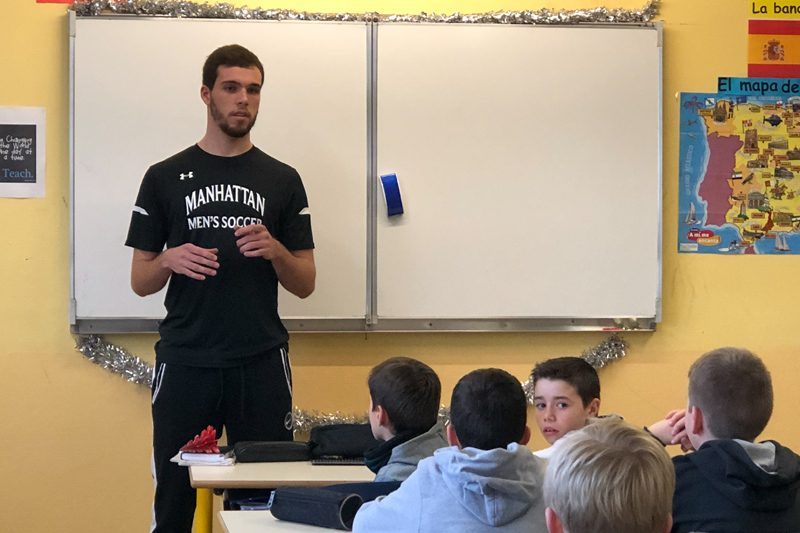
<point x="150" y="271"/>
<point x="255" y="241"/>
<point x="295" y="269"/>
<point x="190" y="260"/>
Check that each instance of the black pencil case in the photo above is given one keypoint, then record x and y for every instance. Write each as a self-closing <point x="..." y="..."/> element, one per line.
<point x="316" y="506"/>
<point x="341" y="440"/>
<point x="252" y="451"/>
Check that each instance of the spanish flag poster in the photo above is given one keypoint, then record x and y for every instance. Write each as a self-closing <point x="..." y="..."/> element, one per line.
<point x="773" y="49"/>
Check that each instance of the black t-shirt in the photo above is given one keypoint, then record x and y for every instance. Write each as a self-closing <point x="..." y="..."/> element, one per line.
<point x="201" y="198"/>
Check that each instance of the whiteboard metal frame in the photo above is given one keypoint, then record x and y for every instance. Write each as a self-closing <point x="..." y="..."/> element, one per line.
<point x="397" y="325"/>
<point x="659" y="27"/>
<point x="370" y="323"/>
<point x="72" y="307"/>
<point x="371" y="318"/>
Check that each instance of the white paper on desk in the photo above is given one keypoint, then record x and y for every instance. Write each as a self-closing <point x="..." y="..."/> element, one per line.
<point x="225" y="461"/>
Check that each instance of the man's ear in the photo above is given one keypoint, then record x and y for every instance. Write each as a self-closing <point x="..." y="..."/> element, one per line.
<point x="594" y="407"/>
<point x="553" y="522"/>
<point x="526" y="436"/>
<point x="452" y="438"/>
<point x="205" y="94"/>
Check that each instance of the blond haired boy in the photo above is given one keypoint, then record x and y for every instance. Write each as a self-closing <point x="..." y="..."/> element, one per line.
<point x="609" y="477"/>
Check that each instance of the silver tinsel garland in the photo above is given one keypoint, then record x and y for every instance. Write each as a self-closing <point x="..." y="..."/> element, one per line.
<point x="115" y="359"/>
<point x="175" y="8"/>
<point x="135" y="370"/>
<point x="305" y="420"/>
<point x="611" y="349"/>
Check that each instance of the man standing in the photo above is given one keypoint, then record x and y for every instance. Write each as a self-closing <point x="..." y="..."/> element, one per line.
<point x="235" y="222"/>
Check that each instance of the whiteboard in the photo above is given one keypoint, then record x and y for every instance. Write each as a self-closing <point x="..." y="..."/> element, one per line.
<point x="529" y="161"/>
<point x="136" y="101"/>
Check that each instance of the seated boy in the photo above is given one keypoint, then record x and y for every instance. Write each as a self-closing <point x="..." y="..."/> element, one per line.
<point x="609" y="476"/>
<point x="730" y="483"/>
<point x="404" y="409"/>
<point x="566" y="394"/>
<point x="566" y="397"/>
<point x="486" y="481"/>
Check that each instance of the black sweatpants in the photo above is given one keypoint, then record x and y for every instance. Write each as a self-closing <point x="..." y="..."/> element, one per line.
<point x="252" y="401"/>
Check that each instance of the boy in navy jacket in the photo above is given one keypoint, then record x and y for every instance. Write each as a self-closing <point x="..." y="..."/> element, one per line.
<point x="732" y="484"/>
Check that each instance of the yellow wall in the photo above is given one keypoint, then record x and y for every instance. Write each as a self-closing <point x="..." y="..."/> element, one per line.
<point x="76" y="450"/>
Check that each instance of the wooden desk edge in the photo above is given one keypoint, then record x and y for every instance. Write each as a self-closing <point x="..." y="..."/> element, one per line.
<point x="267" y="484"/>
<point x="227" y="480"/>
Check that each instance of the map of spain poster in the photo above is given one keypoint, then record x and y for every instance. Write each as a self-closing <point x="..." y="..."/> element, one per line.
<point x="739" y="171"/>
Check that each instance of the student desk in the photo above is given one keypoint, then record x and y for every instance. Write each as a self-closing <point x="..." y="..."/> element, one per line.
<point x="261" y="522"/>
<point x="264" y="476"/>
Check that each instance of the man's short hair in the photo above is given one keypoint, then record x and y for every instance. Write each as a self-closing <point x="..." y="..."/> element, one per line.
<point x="232" y="55"/>
<point x="488" y="409"/>
<point x="409" y="391"/>
<point x="574" y="371"/>
<point x="610" y="476"/>
<point x="733" y="389"/>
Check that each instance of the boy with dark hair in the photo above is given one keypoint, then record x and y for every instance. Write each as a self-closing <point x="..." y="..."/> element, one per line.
<point x="487" y="480"/>
<point x="404" y="409"/>
<point x="487" y="412"/>
<point x="566" y="395"/>
<point x="731" y="483"/>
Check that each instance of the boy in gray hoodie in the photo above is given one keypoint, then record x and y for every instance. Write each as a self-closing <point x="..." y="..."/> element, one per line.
<point x="487" y="480"/>
<point x="403" y="415"/>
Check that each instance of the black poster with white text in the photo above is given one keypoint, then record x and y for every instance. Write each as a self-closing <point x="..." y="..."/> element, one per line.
<point x="17" y="153"/>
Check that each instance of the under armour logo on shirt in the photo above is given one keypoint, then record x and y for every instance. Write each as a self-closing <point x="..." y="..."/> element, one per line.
<point x="189" y="175"/>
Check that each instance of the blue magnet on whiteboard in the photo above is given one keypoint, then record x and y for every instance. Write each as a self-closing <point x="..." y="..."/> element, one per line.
<point x="391" y="192"/>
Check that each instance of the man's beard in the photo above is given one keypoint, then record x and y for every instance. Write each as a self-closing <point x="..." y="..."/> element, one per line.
<point x="231" y="131"/>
